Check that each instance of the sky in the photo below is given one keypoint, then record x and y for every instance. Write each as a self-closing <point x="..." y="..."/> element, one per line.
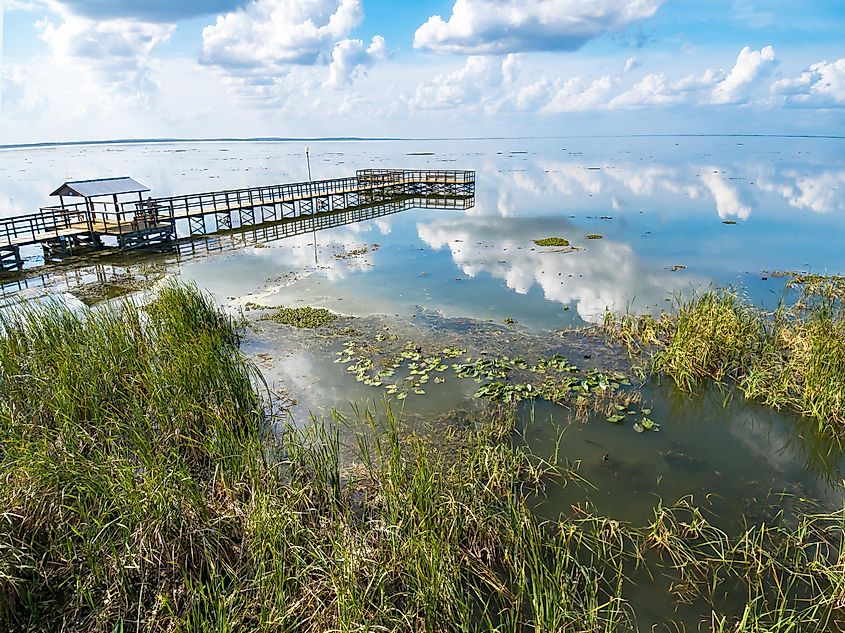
<point x="104" y="69"/>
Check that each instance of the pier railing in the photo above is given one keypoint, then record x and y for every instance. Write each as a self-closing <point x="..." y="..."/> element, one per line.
<point x="109" y="219"/>
<point x="78" y="276"/>
<point x="415" y="176"/>
<point x="36" y="227"/>
<point x="228" y="199"/>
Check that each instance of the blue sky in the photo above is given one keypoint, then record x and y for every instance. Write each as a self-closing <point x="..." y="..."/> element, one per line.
<point x="99" y="69"/>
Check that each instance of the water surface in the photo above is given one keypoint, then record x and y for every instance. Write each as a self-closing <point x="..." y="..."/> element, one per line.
<point x="674" y="215"/>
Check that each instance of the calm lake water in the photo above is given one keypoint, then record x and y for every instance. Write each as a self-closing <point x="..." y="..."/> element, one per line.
<point x="659" y="204"/>
<point x="675" y="214"/>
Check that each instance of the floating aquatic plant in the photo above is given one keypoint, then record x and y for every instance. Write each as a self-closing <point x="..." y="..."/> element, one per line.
<point x="304" y="317"/>
<point x="552" y="378"/>
<point x="552" y="241"/>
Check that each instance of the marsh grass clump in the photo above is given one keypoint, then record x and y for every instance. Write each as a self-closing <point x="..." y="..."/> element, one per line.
<point x="793" y="358"/>
<point x="305" y="317"/>
<point x="552" y="241"/>
<point x="802" y="366"/>
<point x="123" y="433"/>
<point x="714" y="336"/>
<point x="638" y="333"/>
<point x="813" y="287"/>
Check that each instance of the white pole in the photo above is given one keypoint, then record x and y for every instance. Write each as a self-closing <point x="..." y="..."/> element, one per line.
<point x="313" y="206"/>
<point x="307" y="160"/>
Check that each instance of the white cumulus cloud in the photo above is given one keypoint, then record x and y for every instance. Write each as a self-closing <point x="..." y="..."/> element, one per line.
<point x="115" y="54"/>
<point x="480" y="82"/>
<point x="352" y="57"/>
<point x="257" y="46"/>
<point x="656" y="89"/>
<point x="750" y="68"/>
<point x="822" y="84"/>
<point x="268" y="34"/>
<point x="475" y="82"/>
<point x="578" y="95"/>
<point x="508" y="26"/>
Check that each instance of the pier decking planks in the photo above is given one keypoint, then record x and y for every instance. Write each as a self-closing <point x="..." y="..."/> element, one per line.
<point x="67" y="229"/>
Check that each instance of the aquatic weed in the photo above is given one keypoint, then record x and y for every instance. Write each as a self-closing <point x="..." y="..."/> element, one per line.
<point x="552" y="241"/>
<point x="141" y="490"/>
<point x="303" y="317"/>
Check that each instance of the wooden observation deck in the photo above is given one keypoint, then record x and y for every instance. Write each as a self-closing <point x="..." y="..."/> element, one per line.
<point x="103" y="220"/>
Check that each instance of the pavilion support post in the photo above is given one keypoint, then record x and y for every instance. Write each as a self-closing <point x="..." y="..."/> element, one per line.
<point x="89" y="216"/>
<point x="117" y="213"/>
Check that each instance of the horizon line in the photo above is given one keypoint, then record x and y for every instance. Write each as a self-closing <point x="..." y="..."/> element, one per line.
<point x="323" y="139"/>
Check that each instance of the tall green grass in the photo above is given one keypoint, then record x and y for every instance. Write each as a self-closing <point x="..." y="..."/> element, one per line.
<point x="140" y="490"/>
<point x="123" y="432"/>
<point x="714" y="336"/>
<point x="802" y="365"/>
<point x="793" y="358"/>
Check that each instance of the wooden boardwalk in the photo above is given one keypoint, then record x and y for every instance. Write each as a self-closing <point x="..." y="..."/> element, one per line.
<point x="114" y="270"/>
<point x="64" y="230"/>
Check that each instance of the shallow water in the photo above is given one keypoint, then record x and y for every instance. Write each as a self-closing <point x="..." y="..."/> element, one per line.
<point x="661" y="206"/>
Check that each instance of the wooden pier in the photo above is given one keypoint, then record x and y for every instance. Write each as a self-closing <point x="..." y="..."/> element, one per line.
<point x="71" y="229"/>
<point x="109" y="270"/>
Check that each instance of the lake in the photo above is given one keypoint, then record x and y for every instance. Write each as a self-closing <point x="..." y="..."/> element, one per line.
<point x="665" y="216"/>
<point x="659" y="203"/>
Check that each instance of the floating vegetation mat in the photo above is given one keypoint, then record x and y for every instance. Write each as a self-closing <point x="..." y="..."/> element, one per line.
<point x="357" y="252"/>
<point x="305" y="317"/>
<point x="552" y="241"/>
<point x="403" y="370"/>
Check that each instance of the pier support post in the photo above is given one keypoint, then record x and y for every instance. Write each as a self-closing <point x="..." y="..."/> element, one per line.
<point x="10" y="258"/>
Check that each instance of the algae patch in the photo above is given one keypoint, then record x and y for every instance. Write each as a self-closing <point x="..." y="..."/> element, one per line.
<point x="552" y="241"/>
<point x="306" y="317"/>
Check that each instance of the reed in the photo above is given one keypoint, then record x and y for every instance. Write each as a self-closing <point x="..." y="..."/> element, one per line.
<point x="714" y="336"/>
<point x="141" y="490"/>
<point x="802" y="366"/>
<point x="793" y="358"/>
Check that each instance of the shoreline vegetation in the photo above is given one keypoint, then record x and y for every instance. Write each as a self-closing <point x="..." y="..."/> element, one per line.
<point x="792" y="358"/>
<point x="147" y="482"/>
